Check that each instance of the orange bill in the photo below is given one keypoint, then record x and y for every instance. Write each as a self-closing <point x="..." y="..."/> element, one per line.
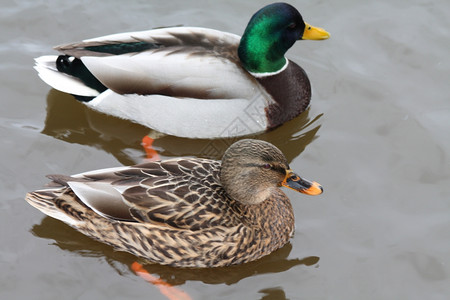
<point x="293" y="181"/>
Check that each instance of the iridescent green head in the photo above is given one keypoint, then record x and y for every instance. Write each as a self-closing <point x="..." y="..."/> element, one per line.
<point x="270" y="33"/>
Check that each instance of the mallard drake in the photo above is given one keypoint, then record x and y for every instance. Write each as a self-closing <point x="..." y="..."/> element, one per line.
<point x="185" y="212"/>
<point x="192" y="82"/>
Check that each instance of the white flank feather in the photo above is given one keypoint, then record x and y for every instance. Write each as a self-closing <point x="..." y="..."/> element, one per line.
<point x="166" y="67"/>
<point x="186" y="117"/>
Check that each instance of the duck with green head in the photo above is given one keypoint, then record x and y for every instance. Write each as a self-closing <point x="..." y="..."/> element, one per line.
<point x="189" y="81"/>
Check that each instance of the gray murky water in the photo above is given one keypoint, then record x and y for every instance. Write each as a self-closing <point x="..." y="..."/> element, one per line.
<point x="376" y="137"/>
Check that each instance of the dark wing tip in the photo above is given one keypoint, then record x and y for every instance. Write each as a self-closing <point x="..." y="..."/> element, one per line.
<point x="63" y="179"/>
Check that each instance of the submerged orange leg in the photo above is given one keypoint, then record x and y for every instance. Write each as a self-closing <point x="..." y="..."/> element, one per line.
<point x="165" y="288"/>
<point x="149" y="151"/>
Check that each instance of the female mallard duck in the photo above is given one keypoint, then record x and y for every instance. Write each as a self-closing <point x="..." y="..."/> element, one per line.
<point x="187" y="212"/>
<point x="192" y="82"/>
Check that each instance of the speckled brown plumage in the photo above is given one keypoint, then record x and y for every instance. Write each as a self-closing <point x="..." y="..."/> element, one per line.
<point x="177" y="212"/>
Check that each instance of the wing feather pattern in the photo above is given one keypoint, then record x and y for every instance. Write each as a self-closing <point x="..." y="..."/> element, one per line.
<point x="179" y="193"/>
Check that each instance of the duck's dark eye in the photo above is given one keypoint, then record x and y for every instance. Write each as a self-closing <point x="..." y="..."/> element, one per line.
<point x="292" y="25"/>
<point x="267" y="166"/>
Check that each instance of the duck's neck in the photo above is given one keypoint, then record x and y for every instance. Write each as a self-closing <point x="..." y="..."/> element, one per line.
<point x="254" y="194"/>
<point x="261" y="53"/>
<point x="275" y="217"/>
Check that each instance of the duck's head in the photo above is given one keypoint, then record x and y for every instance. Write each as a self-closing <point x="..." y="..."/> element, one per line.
<point x="252" y="170"/>
<point x="270" y="33"/>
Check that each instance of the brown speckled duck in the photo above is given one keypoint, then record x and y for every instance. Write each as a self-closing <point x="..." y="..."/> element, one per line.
<point x="185" y="212"/>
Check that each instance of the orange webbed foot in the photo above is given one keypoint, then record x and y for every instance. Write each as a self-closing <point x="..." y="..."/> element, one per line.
<point x="165" y="288"/>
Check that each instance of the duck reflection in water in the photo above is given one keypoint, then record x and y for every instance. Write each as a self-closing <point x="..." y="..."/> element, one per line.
<point x="71" y="121"/>
<point x="68" y="239"/>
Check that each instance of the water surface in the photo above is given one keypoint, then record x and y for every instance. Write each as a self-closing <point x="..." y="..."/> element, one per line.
<point x="376" y="137"/>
